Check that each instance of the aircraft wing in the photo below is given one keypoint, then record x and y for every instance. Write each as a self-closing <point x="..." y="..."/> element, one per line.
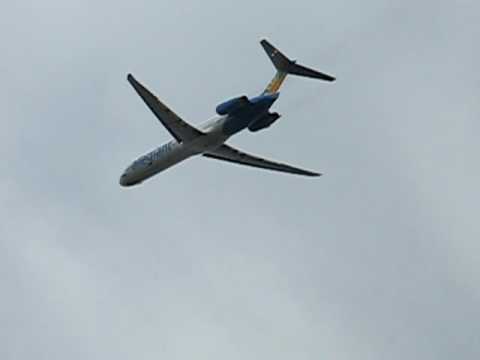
<point x="228" y="153"/>
<point x="178" y="128"/>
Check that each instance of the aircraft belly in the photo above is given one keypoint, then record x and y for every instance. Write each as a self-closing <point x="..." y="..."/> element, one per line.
<point x="177" y="155"/>
<point x="207" y="142"/>
<point x="173" y="153"/>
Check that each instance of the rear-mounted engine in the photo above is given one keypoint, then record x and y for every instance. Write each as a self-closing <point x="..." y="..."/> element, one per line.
<point x="264" y="122"/>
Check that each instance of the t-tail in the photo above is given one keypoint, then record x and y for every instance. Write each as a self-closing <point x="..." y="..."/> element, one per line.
<point x="285" y="66"/>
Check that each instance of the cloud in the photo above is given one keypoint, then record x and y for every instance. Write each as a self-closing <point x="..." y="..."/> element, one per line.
<point x="378" y="258"/>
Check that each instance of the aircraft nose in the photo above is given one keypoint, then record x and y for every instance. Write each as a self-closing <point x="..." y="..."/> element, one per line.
<point x="123" y="180"/>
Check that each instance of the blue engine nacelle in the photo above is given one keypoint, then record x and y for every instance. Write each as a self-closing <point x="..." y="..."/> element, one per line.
<point x="264" y="122"/>
<point x="231" y="105"/>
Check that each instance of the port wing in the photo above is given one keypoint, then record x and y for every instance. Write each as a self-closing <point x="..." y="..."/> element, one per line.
<point x="178" y="128"/>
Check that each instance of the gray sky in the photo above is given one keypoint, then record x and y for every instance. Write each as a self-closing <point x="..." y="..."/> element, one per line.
<point x="378" y="259"/>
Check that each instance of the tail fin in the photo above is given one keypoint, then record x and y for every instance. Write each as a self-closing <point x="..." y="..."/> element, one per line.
<point x="286" y="66"/>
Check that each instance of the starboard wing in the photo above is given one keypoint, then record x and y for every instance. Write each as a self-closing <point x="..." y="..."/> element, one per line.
<point x="228" y="153"/>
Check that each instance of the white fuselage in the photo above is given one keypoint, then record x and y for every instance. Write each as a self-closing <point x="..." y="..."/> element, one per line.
<point x="173" y="152"/>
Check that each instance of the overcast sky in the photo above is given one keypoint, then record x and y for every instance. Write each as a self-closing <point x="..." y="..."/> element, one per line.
<point x="378" y="259"/>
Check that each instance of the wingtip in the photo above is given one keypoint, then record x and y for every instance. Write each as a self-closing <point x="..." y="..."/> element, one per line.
<point x="130" y="77"/>
<point x="331" y="78"/>
<point x="310" y="173"/>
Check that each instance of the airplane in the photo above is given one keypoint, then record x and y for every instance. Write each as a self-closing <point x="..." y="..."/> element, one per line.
<point x="209" y="138"/>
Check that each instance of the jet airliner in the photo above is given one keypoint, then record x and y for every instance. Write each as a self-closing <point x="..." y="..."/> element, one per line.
<point x="209" y="138"/>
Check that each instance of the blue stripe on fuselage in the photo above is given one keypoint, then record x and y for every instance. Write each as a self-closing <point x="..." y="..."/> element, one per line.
<point x="241" y="118"/>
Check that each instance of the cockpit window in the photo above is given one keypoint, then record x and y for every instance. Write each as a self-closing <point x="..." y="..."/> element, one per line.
<point x="143" y="161"/>
<point x="135" y="165"/>
<point x="147" y="161"/>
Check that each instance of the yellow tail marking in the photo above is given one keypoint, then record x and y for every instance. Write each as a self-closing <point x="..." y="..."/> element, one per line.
<point x="276" y="82"/>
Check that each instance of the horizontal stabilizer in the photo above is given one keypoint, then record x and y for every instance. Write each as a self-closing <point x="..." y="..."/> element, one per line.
<point x="279" y="60"/>
<point x="285" y="67"/>
<point x="304" y="71"/>
<point x="284" y="64"/>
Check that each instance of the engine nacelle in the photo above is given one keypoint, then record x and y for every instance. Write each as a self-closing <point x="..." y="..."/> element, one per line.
<point x="231" y="105"/>
<point x="264" y="122"/>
